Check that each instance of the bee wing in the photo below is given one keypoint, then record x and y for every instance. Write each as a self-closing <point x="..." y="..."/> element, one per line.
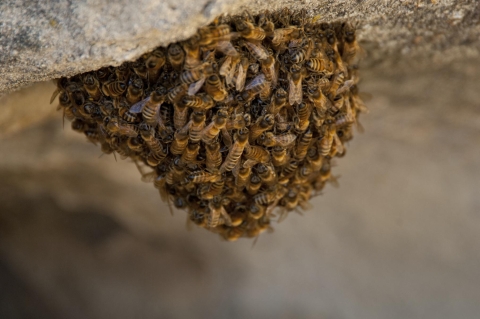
<point x="226" y="218"/>
<point x="241" y="78"/>
<point x="258" y="80"/>
<point x="227" y="48"/>
<point x="54" y="95"/>
<point x="130" y="132"/>
<point x="196" y="86"/>
<point x="138" y="107"/>
<point x="295" y="92"/>
<point x="346" y="86"/>
<point x="225" y="66"/>
<point x="286" y="139"/>
<point x="338" y="143"/>
<point x="231" y="74"/>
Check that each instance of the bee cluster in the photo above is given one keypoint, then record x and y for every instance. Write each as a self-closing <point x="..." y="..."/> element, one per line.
<point x="243" y="117"/>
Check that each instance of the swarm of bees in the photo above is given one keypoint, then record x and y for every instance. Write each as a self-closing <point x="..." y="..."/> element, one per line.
<point x="243" y="117"/>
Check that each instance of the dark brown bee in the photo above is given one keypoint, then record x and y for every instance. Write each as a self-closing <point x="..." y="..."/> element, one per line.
<point x="263" y="124"/>
<point x="154" y="63"/>
<point x="92" y="86"/>
<point x="192" y="52"/>
<point x="135" y="90"/>
<point x="176" y="56"/>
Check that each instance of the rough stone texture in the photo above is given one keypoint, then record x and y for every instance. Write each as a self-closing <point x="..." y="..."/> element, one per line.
<point x="41" y="40"/>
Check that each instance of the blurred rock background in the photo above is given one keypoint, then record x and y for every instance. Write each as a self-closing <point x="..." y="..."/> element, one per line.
<point x="84" y="237"/>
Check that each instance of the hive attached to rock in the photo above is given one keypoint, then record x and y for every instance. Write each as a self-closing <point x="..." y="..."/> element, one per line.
<point x="243" y="117"/>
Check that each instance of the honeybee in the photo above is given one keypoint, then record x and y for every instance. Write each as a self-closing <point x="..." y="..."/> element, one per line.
<point x="324" y="66"/>
<point x="150" y="106"/>
<point x="283" y="35"/>
<point x="199" y="102"/>
<point x="212" y="190"/>
<point x="228" y="67"/>
<point x="303" y="53"/>
<point x="269" y="69"/>
<point x="198" y="124"/>
<point x="351" y="49"/>
<point x="241" y="139"/>
<point x="190" y="153"/>
<point x="213" y="129"/>
<point x="114" y="126"/>
<point x="114" y="88"/>
<point x="193" y="75"/>
<point x="295" y="92"/>
<point x="301" y="120"/>
<point x="338" y="80"/>
<point x="258" y="51"/>
<point x="177" y="93"/>
<point x="319" y="100"/>
<point x="279" y="99"/>
<point x="140" y="69"/>
<point x="180" y="141"/>
<point x="214" y="87"/>
<point x="283" y="140"/>
<point x="257" y="153"/>
<point x="254" y="184"/>
<point x="257" y="85"/>
<point x="263" y="124"/>
<point x="267" y="174"/>
<point x="148" y="135"/>
<point x="214" y="157"/>
<point x="265" y="198"/>
<point x="302" y="145"/>
<point x="249" y="31"/>
<point x="192" y="52"/>
<point x="180" y="115"/>
<point x="227" y="48"/>
<point x="216" y="211"/>
<point x="103" y="75"/>
<point x="279" y="156"/>
<point x="256" y="211"/>
<point x="325" y="143"/>
<point x="211" y="35"/>
<point x="176" y="56"/>
<point x="290" y="168"/>
<point x="241" y="75"/>
<point x="135" y="90"/>
<point x="123" y="72"/>
<point x="92" y="86"/>
<point x="135" y="143"/>
<point x="198" y="177"/>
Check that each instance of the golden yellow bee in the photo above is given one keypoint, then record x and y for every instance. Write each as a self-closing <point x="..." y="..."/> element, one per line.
<point x="214" y="87"/>
<point x="198" y="124"/>
<point x="214" y="157"/>
<point x="213" y="129"/>
<point x="241" y="139"/>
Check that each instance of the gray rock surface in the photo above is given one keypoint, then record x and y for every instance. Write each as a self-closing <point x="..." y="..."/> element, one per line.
<point x="42" y="40"/>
